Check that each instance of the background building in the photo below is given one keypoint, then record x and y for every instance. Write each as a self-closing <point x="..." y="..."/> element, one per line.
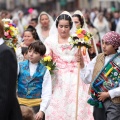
<point x="59" y="5"/>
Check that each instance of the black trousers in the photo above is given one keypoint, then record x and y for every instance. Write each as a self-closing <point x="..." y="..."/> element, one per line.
<point x="111" y="111"/>
<point x="99" y="113"/>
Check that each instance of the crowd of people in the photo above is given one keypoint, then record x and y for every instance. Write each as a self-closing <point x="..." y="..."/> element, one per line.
<point x="40" y="95"/>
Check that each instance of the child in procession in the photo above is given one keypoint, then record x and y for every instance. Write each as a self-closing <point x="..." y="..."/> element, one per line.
<point x="88" y="73"/>
<point x="34" y="81"/>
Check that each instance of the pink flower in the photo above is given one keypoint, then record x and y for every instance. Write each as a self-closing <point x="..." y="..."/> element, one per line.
<point x="84" y="32"/>
<point x="8" y="36"/>
<point x="6" y="33"/>
<point x="80" y="36"/>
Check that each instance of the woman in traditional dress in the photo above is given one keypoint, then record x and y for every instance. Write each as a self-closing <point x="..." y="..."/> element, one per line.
<point x="45" y="22"/>
<point x="80" y="22"/>
<point x="63" y="101"/>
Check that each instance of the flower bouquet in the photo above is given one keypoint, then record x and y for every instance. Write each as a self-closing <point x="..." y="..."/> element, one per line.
<point x="48" y="62"/>
<point x="81" y="38"/>
<point x="10" y="33"/>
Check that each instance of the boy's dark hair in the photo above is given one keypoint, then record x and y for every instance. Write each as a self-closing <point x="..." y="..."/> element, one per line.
<point x="37" y="47"/>
<point x="24" y="50"/>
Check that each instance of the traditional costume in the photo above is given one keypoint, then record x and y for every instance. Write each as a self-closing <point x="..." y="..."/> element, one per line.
<point x="63" y="101"/>
<point x="103" y="72"/>
<point x="34" y="85"/>
<point x="39" y="27"/>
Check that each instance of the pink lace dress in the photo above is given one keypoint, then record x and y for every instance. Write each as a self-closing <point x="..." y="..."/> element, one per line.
<point x="63" y="102"/>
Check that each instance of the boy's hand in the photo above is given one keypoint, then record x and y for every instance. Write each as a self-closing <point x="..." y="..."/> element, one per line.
<point x="79" y="58"/>
<point x="39" y="115"/>
<point x="102" y="96"/>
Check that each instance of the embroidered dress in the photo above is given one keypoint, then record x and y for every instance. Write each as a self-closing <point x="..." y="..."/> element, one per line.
<point x="63" y="101"/>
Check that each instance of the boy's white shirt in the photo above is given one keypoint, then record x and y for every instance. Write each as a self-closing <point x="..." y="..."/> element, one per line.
<point x="46" y="86"/>
<point x="87" y="72"/>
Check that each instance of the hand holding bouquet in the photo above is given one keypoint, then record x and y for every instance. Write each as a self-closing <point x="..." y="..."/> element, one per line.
<point x="79" y="39"/>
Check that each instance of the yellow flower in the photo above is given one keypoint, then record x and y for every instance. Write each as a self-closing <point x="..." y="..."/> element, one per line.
<point x="47" y="58"/>
<point x="86" y="38"/>
<point x="12" y="28"/>
<point x="49" y="68"/>
<point x="12" y="34"/>
<point x="79" y="31"/>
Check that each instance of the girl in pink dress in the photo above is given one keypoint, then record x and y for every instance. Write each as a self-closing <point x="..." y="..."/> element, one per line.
<point x="63" y="101"/>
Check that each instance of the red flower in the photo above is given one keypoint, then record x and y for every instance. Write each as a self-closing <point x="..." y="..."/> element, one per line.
<point x="83" y="32"/>
<point x="10" y="24"/>
<point x="8" y="36"/>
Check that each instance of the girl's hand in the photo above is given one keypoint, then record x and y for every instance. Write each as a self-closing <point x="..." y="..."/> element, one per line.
<point x="79" y="58"/>
<point x="39" y="115"/>
<point x="102" y="96"/>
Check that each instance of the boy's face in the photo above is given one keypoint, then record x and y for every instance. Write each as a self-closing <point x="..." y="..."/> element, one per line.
<point x="34" y="57"/>
<point x="108" y="49"/>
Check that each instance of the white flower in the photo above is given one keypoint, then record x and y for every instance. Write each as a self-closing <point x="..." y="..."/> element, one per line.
<point x="6" y="25"/>
<point x="6" y="20"/>
<point x="74" y="35"/>
<point x="69" y="39"/>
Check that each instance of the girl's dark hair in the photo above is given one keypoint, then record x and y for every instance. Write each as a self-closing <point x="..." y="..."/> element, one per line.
<point x="37" y="47"/>
<point x="33" y="31"/>
<point x="81" y="19"/>
<point x="90" y="23"/>
<point x="64" y="17"/>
